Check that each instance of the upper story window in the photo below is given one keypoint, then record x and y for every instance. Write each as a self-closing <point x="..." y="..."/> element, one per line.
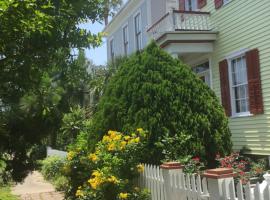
<point x="239" y="85"/>
<point x="219" y="3"/>
<point x="125" y="39"/>
<point x="138" y="31"/>
<point x="191" y="5"/>
<point x="112" y="49"/>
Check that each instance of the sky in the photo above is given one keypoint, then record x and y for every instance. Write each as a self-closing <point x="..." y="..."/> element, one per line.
<point x="97" y="55"/>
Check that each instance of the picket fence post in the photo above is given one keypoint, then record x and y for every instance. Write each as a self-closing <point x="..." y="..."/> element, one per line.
<point x="219" y="181"/>
<point x="168" y="169"/>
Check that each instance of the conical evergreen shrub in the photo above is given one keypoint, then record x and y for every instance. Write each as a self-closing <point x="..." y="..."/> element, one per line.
<point x="160" y="94"/>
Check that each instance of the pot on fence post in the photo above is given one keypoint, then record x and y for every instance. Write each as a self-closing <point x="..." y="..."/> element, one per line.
<point x="169" y="169"/>
<point x="220" y="183"/>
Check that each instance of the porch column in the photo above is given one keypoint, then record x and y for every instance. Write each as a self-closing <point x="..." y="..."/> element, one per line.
<point x="168" y="169"/>
<point x="219" y="181"/>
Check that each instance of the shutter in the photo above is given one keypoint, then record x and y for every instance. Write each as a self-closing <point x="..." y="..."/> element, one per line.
<point x="254" y="82"/>
<point x="201" y="3"/>
<point x="182" y="5"/>
<point x="218" y="3"/>
<point x="225" y="87"/>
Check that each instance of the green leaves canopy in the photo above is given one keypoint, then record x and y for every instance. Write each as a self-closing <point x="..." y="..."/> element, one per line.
<point x="162" y="95"/>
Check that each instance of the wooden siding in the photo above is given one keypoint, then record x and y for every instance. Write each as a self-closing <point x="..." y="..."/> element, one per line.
<point x="245" y="24"/>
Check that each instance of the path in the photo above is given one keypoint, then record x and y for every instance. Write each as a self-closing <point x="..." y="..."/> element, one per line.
<point x="35" y="187"/>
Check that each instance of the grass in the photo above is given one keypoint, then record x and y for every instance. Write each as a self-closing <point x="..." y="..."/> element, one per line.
<point x="5" y="194"/>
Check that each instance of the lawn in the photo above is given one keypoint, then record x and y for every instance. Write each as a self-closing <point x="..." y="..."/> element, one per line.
<point x="5" y="194"/>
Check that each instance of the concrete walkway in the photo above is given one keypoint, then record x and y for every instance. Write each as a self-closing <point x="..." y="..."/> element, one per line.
<point x="35" y="187"/>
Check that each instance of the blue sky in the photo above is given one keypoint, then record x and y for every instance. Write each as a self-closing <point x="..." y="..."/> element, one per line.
<point x="97" y="55"/>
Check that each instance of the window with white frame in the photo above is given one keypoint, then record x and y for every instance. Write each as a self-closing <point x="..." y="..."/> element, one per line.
<point x="239" y="85"/>
<point x="138" y="31"/>
<point x="125" y="39"/>
<point x="112" y="49"/>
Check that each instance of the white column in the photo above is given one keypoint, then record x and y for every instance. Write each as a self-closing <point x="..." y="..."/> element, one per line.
<point x="219" y="181"/>
<point x="168" y="169"/>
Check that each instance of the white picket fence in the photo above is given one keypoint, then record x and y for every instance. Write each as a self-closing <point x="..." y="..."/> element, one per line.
<point x="175" y="185"/>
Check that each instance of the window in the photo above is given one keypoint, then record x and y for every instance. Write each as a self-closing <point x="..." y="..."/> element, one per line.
<point x="203" y="72"/>
<point x="125" y="40"/>
<point x="191" y="5"/>
<point x="226" y="1"/>
<point x="112" y="49"/>
<point x="239" y="85"/>
<point x="138" y="31"/>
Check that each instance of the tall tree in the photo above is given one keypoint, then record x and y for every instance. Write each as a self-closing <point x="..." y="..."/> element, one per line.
<point x="38" y="68"/>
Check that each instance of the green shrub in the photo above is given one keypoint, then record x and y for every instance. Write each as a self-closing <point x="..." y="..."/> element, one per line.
<point x="5" y="194"/>
<point x="60" y="183"/>
<point x="158" y="93"/>
<point x="109" y="172"/>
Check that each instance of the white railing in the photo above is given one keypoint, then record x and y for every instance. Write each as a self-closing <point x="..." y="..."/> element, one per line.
<point x="167" y="184"/>
<point x="181" y="21"/>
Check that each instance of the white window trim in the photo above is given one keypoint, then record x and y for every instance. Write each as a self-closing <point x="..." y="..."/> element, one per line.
<point x="123" y="40"/>
<point x="134" y="16"/>
<point x="229" y="58"/>
<point x="110" y="48"/>
<point x="225" y="2"/>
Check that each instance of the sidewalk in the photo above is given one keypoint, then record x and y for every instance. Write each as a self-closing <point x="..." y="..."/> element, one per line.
<point x="35" y="187"/>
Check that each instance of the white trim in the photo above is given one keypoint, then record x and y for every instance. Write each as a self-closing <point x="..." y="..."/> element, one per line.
<point x="134" y="26"/>
<point x="123" y="40"/>
<point x="229" y="58"/>
<point x="149" y="13"/>
<point x="125" y="13"/>
<point x="236" y="54"/>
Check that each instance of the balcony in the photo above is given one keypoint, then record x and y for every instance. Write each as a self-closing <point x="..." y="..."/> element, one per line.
<point x="186" y="28"/>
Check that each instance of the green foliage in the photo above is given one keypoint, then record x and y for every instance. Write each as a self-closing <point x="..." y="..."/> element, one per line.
<point x="192" y="165"/>
<point x="5" y="175"/>
<point x="52" y="170"/>
<point x="5" y="194"/>
<point x="40" y="74"/>
<point x="109" y="172"/>
<point x="158" y="93"/>
<point x="73" y="123"/>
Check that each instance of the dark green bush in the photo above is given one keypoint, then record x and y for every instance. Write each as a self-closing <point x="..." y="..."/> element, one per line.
<point x="162" y="95"/>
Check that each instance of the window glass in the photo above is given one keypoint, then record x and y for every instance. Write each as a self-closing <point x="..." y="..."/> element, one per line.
<point x="239" y="85"/>
<point x="125" y="39"/>
<point x="138" y="32"/>
<point x="191" y="5"/>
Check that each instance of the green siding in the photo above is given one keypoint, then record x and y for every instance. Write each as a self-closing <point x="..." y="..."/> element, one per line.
<point x="245" y="24"/>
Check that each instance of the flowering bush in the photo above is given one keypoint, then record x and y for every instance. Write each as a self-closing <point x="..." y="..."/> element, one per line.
<point x="243" y="166"/>
<point x="192" y="165"/>
<point x="110" y="172"/>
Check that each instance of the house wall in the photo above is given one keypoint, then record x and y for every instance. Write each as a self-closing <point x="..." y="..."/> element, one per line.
<point x="158" y="9"/>
<point x="245" y="24"/>
<point x="118" y="34"/>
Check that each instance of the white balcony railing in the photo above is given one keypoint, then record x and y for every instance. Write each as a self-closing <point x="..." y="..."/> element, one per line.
<point x="180" y="21"/>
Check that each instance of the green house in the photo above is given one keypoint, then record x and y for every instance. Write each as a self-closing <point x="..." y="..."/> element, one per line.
<point x="226" y="42"/>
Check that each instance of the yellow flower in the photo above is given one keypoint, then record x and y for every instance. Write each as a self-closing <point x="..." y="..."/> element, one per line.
<point x="117" y="137"/>
<point x="123" y="144"/>
<point x="139" y="129"/>
<point x="137" y="140"/>
<point x="106" y="139"/>
<point x="113" y="180"/>
<point x="79" y="193"/>
<point x="112" y="134"/>
<point x="71" y="155"/>
<point x="93" y="157"/>
<point x="127" y="137"/>
<point x="140" y="168"/>
<point x="96" y="174"/>
<point x="111" y="147"/>
<point x="123" y="195"/>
